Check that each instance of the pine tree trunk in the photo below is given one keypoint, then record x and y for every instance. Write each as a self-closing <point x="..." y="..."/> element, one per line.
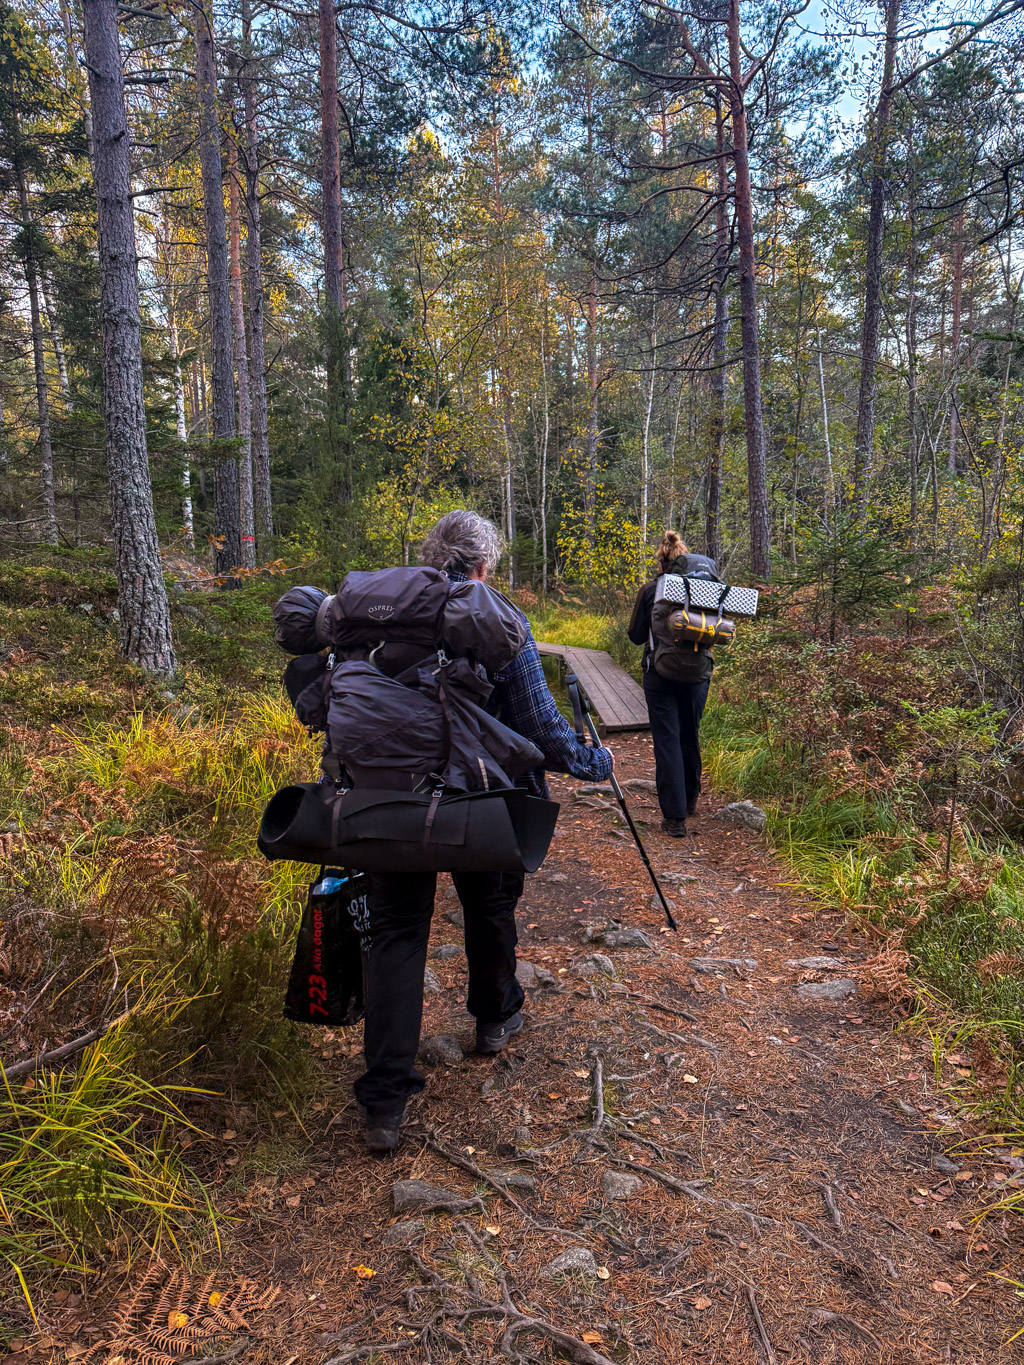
<point x="49" y="497"/>
<point x="228" y="552"/>
<point x="716" y="450"/>
<point x="254" y="292"/>
<point x="334" y="241"/>
<point x="757" y="461"/>
<point x="871" y="323"/>
<point x="241" y="353"/>
<point x="145" y="621"/>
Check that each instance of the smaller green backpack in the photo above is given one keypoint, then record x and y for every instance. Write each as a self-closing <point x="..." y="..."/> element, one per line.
<point x="678" y="660"/>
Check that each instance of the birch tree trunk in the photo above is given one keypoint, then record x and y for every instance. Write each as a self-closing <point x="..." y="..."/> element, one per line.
<point x="830" y="490"/>
<point x="254" y="292"/>
<point x="241" y="355"/>
<point x="757" y="462"/>
<point x="871" y="323"/>
<point x="593" y="387"/>
<point x="145" y="622"/>
<point x="28" y="227"/>
<point x="645" y="430"/>
<point x="954" y="342"/>
<point x="187" y="520"/>
<point x="46" y="294"/>
<point x="228" y="552"/>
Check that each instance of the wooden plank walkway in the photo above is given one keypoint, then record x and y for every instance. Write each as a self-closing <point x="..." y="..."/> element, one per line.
<point x="620" y="704"/>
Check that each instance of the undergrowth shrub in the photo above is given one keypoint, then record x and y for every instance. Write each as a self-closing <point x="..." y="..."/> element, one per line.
<point x="888" y="782"/>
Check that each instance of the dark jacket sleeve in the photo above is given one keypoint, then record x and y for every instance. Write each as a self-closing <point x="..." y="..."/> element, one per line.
<point x="640" y="621"/>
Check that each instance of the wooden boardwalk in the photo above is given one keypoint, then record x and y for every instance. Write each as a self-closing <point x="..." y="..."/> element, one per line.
<point x="618" y="701"/>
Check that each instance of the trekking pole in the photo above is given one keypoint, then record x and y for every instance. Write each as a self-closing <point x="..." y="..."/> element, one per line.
<point x="581" y="715"/>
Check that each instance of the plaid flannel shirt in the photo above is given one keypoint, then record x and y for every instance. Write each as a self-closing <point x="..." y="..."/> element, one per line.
<point x="525" y="705"/>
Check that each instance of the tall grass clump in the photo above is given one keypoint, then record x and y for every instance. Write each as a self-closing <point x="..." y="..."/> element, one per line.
<point x="89" y="1163"/>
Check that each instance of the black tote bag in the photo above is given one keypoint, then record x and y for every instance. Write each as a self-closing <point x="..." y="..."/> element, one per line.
<point x="326" y="981"/>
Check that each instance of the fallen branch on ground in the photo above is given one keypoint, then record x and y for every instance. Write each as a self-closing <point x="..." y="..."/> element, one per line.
<point x="840" y="1257"/>
<point x="57" y="1054"/>
<point x="471" y="1168"/>
<point x="823" y="1317"/>
<point x="828" y="1195"/>
<point x="759" y="1327"/>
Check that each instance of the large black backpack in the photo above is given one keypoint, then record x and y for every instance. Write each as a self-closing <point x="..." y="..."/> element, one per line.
<point x="403" y="694"/>
<point x="418" y="772"/>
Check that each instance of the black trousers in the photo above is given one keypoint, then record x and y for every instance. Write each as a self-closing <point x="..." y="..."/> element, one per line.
<point x="400" y="910"/>
<point x="675" y="710"/>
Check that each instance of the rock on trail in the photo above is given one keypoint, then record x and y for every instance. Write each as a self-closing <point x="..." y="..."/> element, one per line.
<point x="744" y="813"/>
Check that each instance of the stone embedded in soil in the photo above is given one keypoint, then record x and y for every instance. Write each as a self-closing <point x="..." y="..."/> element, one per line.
<point x="431" y="982"/>
<point x="448" y="950"/>
<point x="578" y="1260"/>
<point x="723" y="964"/>
<point x="596" y="964"/>
<point x="401" y="1234"/>
<point x="456" y="917"/>
<point x="815" y="964"/>
<point x="657" y="905"/>
<point x="617" y="936"/>
<point x="557" y="877"/>
<point x="827" y="990"/>
<point x="521" y="1136"/>
<point x="641" y="784"/>
<point x="419" y="1196"/>
<point x="517" y="1180"/>
<point x="442" y="1050"/>
<point x="534" y="978"/>
<point x="593" y="789"/>
<point x="943" y="1165"/>
<point x="681" y="877"/>
<point x="744" y="813"/>
<point x="620" y="1185"/>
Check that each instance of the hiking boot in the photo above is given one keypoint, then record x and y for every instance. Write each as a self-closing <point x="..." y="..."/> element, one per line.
<point x="382" y="1128"/>
<point x="491" y="1038"/>
<point x="674" y="828"/>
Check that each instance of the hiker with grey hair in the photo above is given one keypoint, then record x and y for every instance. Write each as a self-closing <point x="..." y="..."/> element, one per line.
<point x="465" y="546"/>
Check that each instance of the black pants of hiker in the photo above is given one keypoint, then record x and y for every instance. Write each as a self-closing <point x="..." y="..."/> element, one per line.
<point x="675" y="710"/>
<point x="400" y="908"/>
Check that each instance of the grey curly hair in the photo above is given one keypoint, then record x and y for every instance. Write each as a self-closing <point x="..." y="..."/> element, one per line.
<point x="460" y="541"/>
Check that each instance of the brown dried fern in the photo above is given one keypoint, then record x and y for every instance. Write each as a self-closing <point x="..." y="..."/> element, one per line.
<point x="887" y="971"/>
<point x="170" y="1315"/>
<point x="1001" y="963"/>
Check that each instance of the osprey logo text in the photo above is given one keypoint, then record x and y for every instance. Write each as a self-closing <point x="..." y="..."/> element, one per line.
<point x="381" y="611"/>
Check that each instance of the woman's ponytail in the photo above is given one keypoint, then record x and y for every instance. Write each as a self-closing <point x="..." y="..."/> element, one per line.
<point x="671" y="547"/>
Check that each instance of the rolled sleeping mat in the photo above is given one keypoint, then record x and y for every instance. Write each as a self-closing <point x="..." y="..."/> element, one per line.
<point x="301" y="620"/>
<point x="505" y="830"/>
<point x="701" y="627"/>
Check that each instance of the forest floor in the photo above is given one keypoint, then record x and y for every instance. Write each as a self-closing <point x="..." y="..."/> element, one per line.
<point x="742" y="1173"/>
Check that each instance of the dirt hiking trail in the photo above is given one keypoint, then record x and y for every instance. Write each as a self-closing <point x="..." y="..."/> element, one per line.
<point x="678" y="1160"/>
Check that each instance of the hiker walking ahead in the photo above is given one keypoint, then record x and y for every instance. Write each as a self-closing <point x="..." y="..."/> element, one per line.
<point x="464" y="546"/>
<point x="676" y="681"/>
